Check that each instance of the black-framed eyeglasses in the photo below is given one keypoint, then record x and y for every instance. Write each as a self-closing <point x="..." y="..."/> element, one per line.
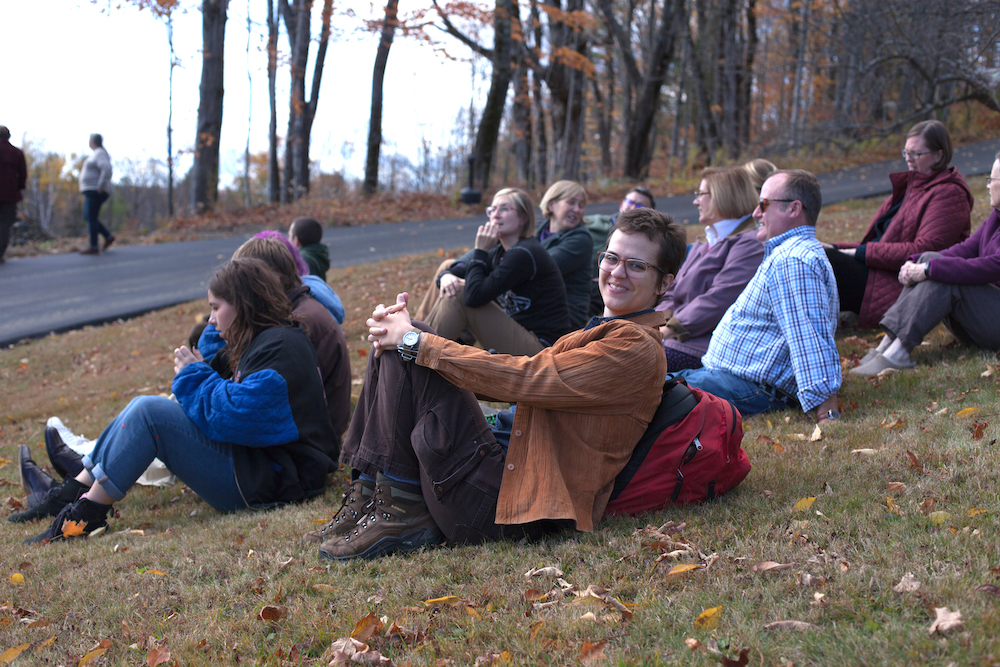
<point x="634" y="268"/>
<point x="914" y="154"/>
<point x="764" y="202"/>
<point x="500" y="210"/>
<point x="700" y="193"/>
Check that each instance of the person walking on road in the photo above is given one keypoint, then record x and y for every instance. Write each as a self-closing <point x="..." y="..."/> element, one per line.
<point x="95" y="186"/>
<point x="13" y="177"/>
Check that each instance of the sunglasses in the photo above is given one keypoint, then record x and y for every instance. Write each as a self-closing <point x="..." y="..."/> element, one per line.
<point x="765" y="203"/>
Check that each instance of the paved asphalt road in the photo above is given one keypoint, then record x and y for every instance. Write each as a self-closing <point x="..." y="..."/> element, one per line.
<point x="39" y="295"/>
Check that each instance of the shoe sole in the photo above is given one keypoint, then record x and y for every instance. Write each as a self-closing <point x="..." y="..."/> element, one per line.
<point x="425" y="537"/>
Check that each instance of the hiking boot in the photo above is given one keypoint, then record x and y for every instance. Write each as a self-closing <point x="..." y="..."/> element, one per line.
<point x="90" y="519"/>
<point x="351" y="507"/>
<point x="90" y="251"/>
<point x="59" y="496"/>
<point x="396" y="521"/>
<point x="64" y="460"/>
<point x="36" y="482"/>
<point x="107" y="242"/>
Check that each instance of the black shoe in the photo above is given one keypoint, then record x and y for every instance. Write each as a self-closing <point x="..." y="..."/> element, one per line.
<point x="58" y="497"/>
<point x="65" y="461"/>
<point x="107" y="242"/>
<point x="36" y="482"/>
<point x="80" y="519"/>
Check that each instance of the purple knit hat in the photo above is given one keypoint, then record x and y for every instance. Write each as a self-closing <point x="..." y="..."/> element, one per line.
<point x="300" y="264"/>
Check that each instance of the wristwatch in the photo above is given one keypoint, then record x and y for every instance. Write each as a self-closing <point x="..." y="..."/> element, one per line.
<point x="829" y="414"/>
<point x="411" y="345"/>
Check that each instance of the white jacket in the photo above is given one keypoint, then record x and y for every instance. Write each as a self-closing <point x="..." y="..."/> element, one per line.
<point x="96" y="172"/>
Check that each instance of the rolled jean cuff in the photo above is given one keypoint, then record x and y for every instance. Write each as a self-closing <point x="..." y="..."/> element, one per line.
<point x="101" y="477"/>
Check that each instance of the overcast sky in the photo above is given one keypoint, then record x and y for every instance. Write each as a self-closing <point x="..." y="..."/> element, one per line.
<point x="72" y="69"/>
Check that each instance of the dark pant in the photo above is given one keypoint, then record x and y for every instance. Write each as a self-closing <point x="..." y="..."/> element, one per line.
<point x="852" y="276"/>
<point x="8" y="216"/>
<point x="92" y="202"/>
<point x="971" y="312"/>
<point x="411" y="423"/>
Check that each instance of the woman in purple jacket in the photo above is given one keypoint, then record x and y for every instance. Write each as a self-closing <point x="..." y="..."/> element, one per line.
<point x="717" y="268"/>
<point x="959" y="286"/>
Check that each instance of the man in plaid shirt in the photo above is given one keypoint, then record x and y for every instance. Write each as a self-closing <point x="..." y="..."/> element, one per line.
<point x="775" y="345"/>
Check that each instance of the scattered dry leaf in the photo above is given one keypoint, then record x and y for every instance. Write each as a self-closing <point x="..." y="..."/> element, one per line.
<point x="693" y="643"/>
<point x="985" y="588"/>
<point x="684" y="567"/>
<point x="592" y="652"/>
<point x="272" y="613"/>
<point x="91" y="657"/>
<point x="367" y="627"/>
<point x="908" y="584"/>
<point x="897" y="486"/>
<point x="74" y="528"/>
<point x="939" y="517"/>
<point x="974" y="511"/>
<point x="898" y="423"/>
<point x="945" y="620"/>
<point x="17" y="579"/>
<point x="965" y="413"/>
<point x="8" y="656"/>
<point x="817" y="434"/>
<point x="708" y="619"/>
<point x="325" y="588"/>
<point x="157" y="656"/>
<point x="804" y="504"/>
<point x="799" y="626"/>
<point x="739" y="662"/>
<point x="447" y="601"/>
<point x="543" y="572"/>
<point x="864" y="452"/>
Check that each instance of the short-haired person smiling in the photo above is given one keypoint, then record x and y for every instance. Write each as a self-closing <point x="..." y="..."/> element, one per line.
<point x="435" y="469"/>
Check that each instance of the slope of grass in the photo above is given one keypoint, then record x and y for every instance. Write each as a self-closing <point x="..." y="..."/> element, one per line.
<point x="907" y="482"/>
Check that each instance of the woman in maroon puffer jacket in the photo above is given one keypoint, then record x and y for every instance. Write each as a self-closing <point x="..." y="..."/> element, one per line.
<point x="929" y="209"/>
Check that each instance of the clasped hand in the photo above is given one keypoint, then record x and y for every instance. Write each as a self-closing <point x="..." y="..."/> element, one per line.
<point x="184" y="356"/>
<point x="487" y="236"/>
<point x="912" y="273"/>
<point x="388" y="324"/>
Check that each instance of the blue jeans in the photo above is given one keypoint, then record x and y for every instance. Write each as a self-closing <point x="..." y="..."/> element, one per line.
<point x="749" y="397"/>
<point x="92" y="202"/>
<point x="155" y="427"/>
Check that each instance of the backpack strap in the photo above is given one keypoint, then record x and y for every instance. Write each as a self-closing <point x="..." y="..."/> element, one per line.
<point x="677" y="402"/>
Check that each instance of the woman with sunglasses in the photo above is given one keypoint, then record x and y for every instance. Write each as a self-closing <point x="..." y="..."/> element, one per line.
<point x="959" y="286"/>
<point x="249" y="429"/>
<point x="508" y="291"/>
<point x="929" y="209"/>
<point x="717" y="268"/>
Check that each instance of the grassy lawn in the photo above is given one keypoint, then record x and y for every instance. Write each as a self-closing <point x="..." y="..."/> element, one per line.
<point x="907" y="482"/>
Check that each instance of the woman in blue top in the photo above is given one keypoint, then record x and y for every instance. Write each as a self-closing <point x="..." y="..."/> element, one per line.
<point x="508" y="292"/>
<point x="249" y="430"/>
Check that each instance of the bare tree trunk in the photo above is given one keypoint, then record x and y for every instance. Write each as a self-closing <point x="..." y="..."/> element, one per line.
<point x="375" y="124"/>
<point x="800" y="58"/>
<point x="205" y="172"/>
<point x="248" y="201"/>
<point x="273" y="173"/>
<point x="170" y="118"/>
<point x="504" y="15"/>
<point x="522" y="123"/>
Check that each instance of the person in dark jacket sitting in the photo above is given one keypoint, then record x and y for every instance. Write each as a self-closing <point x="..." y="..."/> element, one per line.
<point x="959" y="286"/>
<point x="507" y="291"/>
<point x="249" y="430"/>
<point x="568" y="241"/>
<point x="306" y="234"/>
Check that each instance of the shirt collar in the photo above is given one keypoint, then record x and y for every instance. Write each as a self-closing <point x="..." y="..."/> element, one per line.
<point x="807" y="231"/>
<point x="722" y="229"/>
<point x="595" y="320"/>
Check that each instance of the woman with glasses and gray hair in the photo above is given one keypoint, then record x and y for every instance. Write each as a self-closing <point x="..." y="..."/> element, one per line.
<point x="929" y="210"/>
<point x="507" y="292"/>
<point x="717" y="268"/>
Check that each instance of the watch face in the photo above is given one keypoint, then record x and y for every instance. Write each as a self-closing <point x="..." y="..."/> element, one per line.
<point x="410" y="338"/>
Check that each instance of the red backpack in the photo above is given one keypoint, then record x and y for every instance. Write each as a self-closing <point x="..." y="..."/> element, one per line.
<point x="689" y="453"/>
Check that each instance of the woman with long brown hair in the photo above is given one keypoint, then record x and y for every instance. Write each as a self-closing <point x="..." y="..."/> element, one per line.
<point x="247" y="430"/>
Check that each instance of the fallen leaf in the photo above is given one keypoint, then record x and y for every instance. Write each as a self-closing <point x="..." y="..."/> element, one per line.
<point x="158" y="573"/>
<point x="927" y="506"/>
<point x="91" y="657"/>
<point x="965" y="413"/>
<point x="816" y="436"/>
<point x="326" y="588"/>
<point x="913" y="460"/>
<point x="897" y="486"/>
<point x="272" y="612"/>
<point x="799" y="626"/>
<point x="45" y="644"/>
<point x="11" y="653"/>
<point x="741" y="662"/>
<point x="589" y="616"/>
<point x="543" y="572"/>
<point x="693" y="643"/>
<point x="945" y="620"/>
<point x="533" y="594"/>
<point x="977" y="429"/>
<point x="684" y="567"/>
<point x="797" y="436"/>
<point x="898" y="423"/>
<point x="974" y="511"/>
<point x="985" y="588"/>
<point x="708" y="619"/>
<point x="367" y="627"/>
<point x="157" y="656"/>
<point x="939" y="517"/>
<point x="908" y="584"/>
<point x="17" y="579"/>
<point x="592" y="652"/>
<point x="768" y="565"/>
<point x="448" y="601"/>
<point x="804" y="504"/>
<point x="864" y="452"/>
<point x="891" y="504"/>
<point x="74" y="528"/>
